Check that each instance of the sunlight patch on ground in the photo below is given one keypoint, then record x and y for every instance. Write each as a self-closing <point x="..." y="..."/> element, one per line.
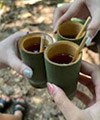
<point x="37" y="100"/>
<point x="31" y="1"/>
<point x="3" y="10"/>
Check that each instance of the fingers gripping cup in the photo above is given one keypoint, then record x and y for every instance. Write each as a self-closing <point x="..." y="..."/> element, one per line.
<point x="68" y="32"/>
<point x="60" y="70"/>
<point x="29" y="47"/>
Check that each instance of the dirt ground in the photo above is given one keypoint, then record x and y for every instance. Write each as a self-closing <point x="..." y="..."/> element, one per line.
<point x="33" y="16"/>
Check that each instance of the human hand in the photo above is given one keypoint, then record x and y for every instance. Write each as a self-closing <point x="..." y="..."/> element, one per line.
<point x="91" y="80"/>
<point x="9" y="56"/>
<point x="80" y="9"/>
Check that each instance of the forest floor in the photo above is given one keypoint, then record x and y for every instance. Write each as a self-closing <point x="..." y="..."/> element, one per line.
<point x="33" y="16"/>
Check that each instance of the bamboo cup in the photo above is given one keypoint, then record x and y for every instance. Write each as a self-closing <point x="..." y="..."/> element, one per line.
<point x="63" y="75"/>
<point x="68" y="32"/>
<point x="35" y="60"/>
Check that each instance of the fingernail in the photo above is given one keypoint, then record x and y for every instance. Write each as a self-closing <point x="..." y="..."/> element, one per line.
<point x="8" y="98"/>
<point x="54" y="31"/>
<point x="88" y="41"/>
<point x="28" y="73"/>
<point x="28" y="32"/>
<point x="51" y="88"/>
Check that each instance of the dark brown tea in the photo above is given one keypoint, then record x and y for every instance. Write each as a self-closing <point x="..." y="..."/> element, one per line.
<point x="70" y="37"/>
<point x="34" y="48"/>
<point x="62" y="58"/>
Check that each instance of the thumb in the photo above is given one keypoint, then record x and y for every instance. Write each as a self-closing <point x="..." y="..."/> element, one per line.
<point x="15" y="63"/>
<point x="93" y="28"/>
<point x="69" y="110"/>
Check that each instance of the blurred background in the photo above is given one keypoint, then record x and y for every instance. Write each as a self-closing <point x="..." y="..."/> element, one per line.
<point x="34" y="16"/>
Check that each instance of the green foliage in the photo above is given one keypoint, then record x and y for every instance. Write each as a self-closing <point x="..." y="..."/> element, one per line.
<point x="1" y="4"/>
<point x="78" y="20"/>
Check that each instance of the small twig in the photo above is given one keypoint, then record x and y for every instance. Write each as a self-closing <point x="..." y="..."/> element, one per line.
<point x="42" y="43"/>
<point x="80" y="48"/>
<point x="84" y="27"/>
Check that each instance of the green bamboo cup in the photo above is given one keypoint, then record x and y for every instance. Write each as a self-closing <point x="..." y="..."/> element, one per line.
<point x="69" y="30"/>
<point x="35" y="60"/>
<point x="63" y="75"/>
